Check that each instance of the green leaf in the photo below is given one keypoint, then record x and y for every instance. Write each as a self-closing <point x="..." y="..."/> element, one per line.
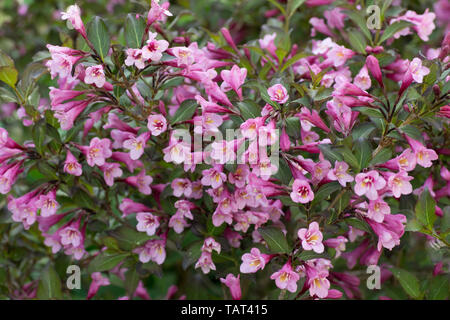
<point x="425" y="209"/>
<point x="363" y="153"/>
<point x="357" y="41"/>
<point x="325" y="191"/>
<point x="213" y="230"/>
<point x="134" y="30"/>
<point x="358" y="224"/>
<point x="412" y="132"/>
<point x="293" y="5"/>
<point x="360" y="21"/>
<point x="393" y="29"/>
<point x="275" y="239"/>
<point x="293" y="60"/>
<point x="128" y="238"/>
<point x="309" y="255"/>
<point x="382" y="156"/>
<point x="5" y="60"/>
<point x="106" y="261"/>
<point x="99" y="37"/>
<point x="131" y="281"/>
<point x="185" y="111"/>
<point x="408" y="281"/>
<point x="7" y="96"/>
<point x="49" y="285"/>
<point x="331" y="153"/>
<point x="284" y="173"/>
<point x="249" y="109"/>
<point x="38" y="133"/>
<point x="263" y="92"/>
<point x="9" y="76"/>
<point x="350" y="158"/>
<point x="293" y="128"/>
<point x="439" y="288"/>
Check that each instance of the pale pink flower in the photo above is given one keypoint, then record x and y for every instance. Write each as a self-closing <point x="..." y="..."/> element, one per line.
<point x="250" y="127"/>
<point x="205" y="262"/>
<point x="417" y="70"/>
<point x="48" y="204"/>
<point x="98" y="151"/>
<point x="178" y="223"/>
<point x="95" y="75"/>
<point x="153" y="250"/>
<point x="154" y="48"/>
<point x="424" y="156"/>
<point x="210" y="244"/>
<point x="234" y="284"/>
<point x="134" y="57"/>
<point x="72" y="166"/>
<point x="141" y="181"/>
<point x="111" y="171"/>
<point x="253" y="261"/>
<point x="157" y="124"/>
<point x="378" y="209"/>
<point x="338" y="55"/>
<point x="286" y="278"/>
<point x="407" y="160"/>
<point x="301" y="191"/>
<point x="339" y="173"/>
<point x="136" y="145"/>
<point x="278" y="93"/>
<point x="311" y="238"/>
<point x="158" y="12"/>
<point x="147" y="222"/>
<point x="337" y="243"/>
<point x="399" y="183"/>
<point x="389" y="231"/>
<point x="233" y="79"/>
<point x="239" y="177"/>
<point x="368" y="183"/>
<point x="181" y="187"/>
<point x="213" y="177"/>
<point x="318" y="283"/>
<point x="362" y="79"/>
<point x="72" y="14"/>
<point x="177" y="152"/>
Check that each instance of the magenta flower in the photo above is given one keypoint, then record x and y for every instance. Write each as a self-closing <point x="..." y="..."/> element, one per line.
<point x="141" y="181"/>
<point x="233" y="79"/>
<point x="374" y="68"/>
<point x="389" y="231"/>
<point x="278" y="93"/>
<point x="234" y="284"/>
<point x="311" y="238"/>
<point x="97" y="281"/>
<point x="337" y="243"/>
<point x="48" y="204"/>
<point x="301" y="191"/>
<point x="286" y="278"/>
<point x="368" y="183"/>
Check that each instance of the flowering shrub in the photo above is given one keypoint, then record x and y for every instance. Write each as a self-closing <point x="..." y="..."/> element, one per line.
<point x="160" y="156"/>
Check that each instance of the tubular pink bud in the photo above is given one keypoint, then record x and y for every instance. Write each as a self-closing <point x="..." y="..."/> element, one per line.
<point x="374" y="68"/>
<point x="226" y="34"/>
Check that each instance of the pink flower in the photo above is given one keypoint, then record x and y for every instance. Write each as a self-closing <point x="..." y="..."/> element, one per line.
<point x="95" y="75"/>
<point x="147" y="222"/>
<point x="181" y="186"/>
<point x="157" y="12"/>
<point x="142" y="182"/>
<point x="111" y="171"/>
<point x="286" y="278"/>
<point x="318" y="283"/>
<point x="250" y="127"/>
<point x="301" y="191"/>
<point x="153" y="250"/>
<point x="374" y="68"/>
<point x="278" y="93"/>
<point x="97" y="281"/>
<point x="177" y="152"/>
<point x="424" y="156"/>
<point x="72" y="14"/>
<point x="338" y="55"/>
<point x="137" y="145"/>
<point x="362" y="79"/>
<point x="8" y="175"/>
<point x="98" y="151"/>
<point x="178" y="223"/>
<point x="233" y="79"/>
<point x="157" y="124"/>
<point x="311" y="238"/>
<point x="134" y="56"/>
<point x="337" y="243"/>
<point x="210" y="244"/>
<point x="240" y="177"/>
<point x="48" y="204"/>
<point x="417" y="70"/>
<point x="407" y="160"/>
<point x="253" y="261"/>
<point x="213" y="177"/>
<point x="154" y="48"/>
<point x="389" y="231"/>
<point x="377" y="210"/>
<point x="399" y="183"/>
<point x="368" y="183"/>
<point x="72" y="166"/>
<point x="234" y="284"/>
<point x="339" y="173"/>
<point x="205" y="262"/>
